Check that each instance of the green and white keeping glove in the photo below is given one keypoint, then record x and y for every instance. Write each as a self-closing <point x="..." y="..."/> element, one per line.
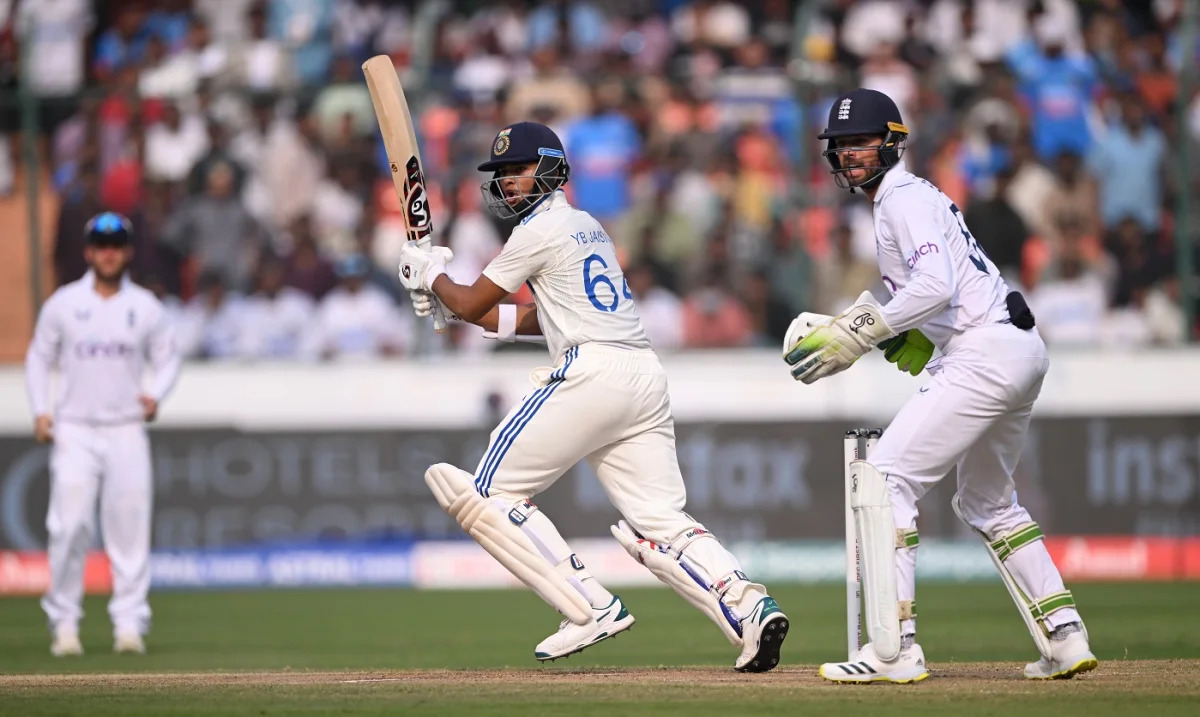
<point x="834" y="345"/>
<point x="910" y="351"/>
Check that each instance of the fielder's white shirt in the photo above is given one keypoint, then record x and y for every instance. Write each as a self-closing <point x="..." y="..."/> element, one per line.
<point x="940" y="280"/>
<point x="100" y="347"/>
<point x="571" y="267"/>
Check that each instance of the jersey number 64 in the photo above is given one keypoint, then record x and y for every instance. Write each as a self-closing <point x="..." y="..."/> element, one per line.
<point x="592" y="280"/>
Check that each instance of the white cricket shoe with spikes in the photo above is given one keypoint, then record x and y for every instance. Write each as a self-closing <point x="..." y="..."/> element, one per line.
<point x="866" y="666"/>
<point x="1070" y="656"/>
<point x="763" y="632"/>
<point x="606" y="622"/>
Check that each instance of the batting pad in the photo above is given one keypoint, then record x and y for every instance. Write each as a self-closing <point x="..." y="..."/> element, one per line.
<point x="669" y="570"/>
<point x="876" y="529"/>
<point x="490" y="526"/>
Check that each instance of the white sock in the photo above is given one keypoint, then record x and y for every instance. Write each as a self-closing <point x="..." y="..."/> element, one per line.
<point x="596" y="593"/>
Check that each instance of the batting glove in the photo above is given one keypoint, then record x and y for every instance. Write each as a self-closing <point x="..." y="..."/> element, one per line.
<point x="419" y="268"/>
<point x="422" y="302"/>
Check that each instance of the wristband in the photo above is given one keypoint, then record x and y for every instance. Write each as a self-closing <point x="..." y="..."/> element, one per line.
<point x="506" y="322"/>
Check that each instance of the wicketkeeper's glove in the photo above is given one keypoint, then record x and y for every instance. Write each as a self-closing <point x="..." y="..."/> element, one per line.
<point x="910" y="351"/>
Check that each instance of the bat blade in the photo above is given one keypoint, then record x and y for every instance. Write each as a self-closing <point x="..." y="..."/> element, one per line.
<point x="404" y="157"/>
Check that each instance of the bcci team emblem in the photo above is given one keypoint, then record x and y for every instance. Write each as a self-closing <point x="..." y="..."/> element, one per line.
<point x="502" y="142"/>
<point x="844" y="109"/>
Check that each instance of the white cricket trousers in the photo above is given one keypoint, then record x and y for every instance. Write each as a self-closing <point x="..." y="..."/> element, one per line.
<point x="111" y="463"/>
<point x="608" y="405"/>
<point x="973" y="413"/>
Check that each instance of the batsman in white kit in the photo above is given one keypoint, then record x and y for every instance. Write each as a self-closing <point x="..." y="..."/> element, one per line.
<point x="973" y="413"/>
<point x="604" y="400"/>
<point x="100" y="332"/>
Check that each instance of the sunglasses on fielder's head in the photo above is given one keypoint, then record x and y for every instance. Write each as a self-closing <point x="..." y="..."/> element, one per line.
<point x="108" y="230"/>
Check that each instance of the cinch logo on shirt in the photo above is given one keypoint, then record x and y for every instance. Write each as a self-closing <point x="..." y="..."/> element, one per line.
<point x="103" y="349"/>
<point x="929" y="248"/>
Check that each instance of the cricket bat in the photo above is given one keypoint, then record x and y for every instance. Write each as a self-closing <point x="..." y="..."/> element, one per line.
<point x="404" y="158"/>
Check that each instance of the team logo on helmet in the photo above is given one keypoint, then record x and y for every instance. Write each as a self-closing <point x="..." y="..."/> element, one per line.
<point x="844" y="109"/>
<point x="502" y="142"/>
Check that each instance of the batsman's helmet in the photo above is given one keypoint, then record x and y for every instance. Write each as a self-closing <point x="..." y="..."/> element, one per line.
<point x="524" y="143"/>
<point x="864" y="112"/>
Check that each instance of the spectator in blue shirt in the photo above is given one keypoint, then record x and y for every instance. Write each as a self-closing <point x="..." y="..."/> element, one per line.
<point x="171" y="23"/>
<point x="602" y="149"/>
<point x="586" y="26"/>
<point x="306" y="28"/>
<point x="1127" y="163"/>
<point x="982" y="158"/>
<point x="123" y="44"/>
<point x="1058" y="88"/>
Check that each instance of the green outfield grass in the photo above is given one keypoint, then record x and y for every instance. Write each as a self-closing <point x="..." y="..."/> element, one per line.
<point x="296" y="649"/>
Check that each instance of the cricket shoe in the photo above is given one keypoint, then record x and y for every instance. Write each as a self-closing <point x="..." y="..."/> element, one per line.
<point x="763" y="632"/>
<point x="909" y="666"/>
<point x="1069" y="656"/>
<point x="129" y="642"/>
<point x="66" y="643"/>
<point x="606" y="622"/>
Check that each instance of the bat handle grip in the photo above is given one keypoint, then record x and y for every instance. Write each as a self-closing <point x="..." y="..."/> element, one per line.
<point x="439" y="312"/>
<point x="439" y="317"/>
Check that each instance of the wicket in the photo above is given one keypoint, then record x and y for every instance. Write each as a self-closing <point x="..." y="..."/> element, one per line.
<point x="857" y="443"/>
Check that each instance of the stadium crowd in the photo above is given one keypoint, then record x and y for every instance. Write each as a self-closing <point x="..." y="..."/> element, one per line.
<point x="239" y="137"/>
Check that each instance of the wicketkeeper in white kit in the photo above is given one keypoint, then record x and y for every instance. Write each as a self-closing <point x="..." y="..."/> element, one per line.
<point x="604" y="400"/>
<point x="99" y="332"/>
<point x="973" y="413"/>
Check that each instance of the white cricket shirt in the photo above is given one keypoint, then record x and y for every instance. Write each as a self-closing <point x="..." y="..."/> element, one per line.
<point x="940" y="280"/>
<point x="571" y="267"/>
<point x="100" y="347"/>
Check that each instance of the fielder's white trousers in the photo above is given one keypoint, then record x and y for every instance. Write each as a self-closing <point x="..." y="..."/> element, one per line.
<point x="973" y="413"/>
<point x="110" y="463"/>
<point x="608" y="405"/>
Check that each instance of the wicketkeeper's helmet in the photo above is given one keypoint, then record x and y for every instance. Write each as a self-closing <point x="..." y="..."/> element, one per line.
<point x="864" y="112"/>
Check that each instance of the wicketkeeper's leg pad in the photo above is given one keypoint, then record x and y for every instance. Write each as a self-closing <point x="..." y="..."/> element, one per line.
<point x="1034" y="609"/>
<point x="877" y="539"/>
<point x="670" y="564"/>
<point x="497" y="526"/>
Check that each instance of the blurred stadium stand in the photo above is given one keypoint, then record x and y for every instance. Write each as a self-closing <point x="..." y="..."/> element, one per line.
<point x="239" y="137"/>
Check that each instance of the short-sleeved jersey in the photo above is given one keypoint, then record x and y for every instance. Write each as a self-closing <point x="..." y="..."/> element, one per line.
<point x="101" y="347"/>
<point x="926" y="251"/>
<point x="571" y="267"/>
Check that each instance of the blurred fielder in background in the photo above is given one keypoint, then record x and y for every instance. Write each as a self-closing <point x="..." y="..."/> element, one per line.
<point x="99" y="331"/>
<point x="605" y="400"/>
<point x="973" y="413"/>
